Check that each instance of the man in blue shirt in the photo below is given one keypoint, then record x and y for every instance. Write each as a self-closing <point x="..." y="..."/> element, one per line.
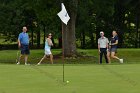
<point x="23" y="44"/>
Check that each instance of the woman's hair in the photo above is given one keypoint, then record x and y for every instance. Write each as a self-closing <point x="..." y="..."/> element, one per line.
<point x="115" y="32"/>
<point x="48" y="34"/>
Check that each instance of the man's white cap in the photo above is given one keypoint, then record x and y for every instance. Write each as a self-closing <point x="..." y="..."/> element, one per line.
<point x="101" y="32"/>
<point x="24" y="27"/>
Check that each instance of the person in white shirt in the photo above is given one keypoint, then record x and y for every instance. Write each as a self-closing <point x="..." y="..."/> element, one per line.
<point x="103" y="47"/>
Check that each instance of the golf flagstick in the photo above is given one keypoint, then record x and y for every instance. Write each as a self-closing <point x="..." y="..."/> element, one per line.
<point x="63" y="53"/>
<point x="64" y="18"/>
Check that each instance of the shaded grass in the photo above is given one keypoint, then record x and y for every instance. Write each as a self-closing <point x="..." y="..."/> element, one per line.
<point x="129" y="55"/>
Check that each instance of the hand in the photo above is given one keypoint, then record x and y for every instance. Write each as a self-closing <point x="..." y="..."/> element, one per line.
<point x="51" y="44"/>
<point x="107" y="49"/>
<point x="112" y="44"/>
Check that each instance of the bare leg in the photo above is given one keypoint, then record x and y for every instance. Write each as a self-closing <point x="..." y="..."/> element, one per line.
<point x="108" y="56"/>
<point x="51" y="58"/>
<point x="113" y="56"/>
<point x="19" y="59"/>
<point x="26" y="58"/>
<point x="42" y="59"/>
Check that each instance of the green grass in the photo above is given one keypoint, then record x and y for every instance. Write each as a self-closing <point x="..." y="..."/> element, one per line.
<point x="130" y="56"/>
<point x="84" y="78"/>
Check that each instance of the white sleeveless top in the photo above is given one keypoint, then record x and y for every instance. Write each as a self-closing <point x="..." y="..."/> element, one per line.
<point x="47" y="45"/>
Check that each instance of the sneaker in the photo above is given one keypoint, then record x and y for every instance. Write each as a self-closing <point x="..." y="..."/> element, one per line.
<point x="18" y="63"/>
<point x="27" y="64"/>
<point x="38" y="63"/>
<point x="121" y="60"/>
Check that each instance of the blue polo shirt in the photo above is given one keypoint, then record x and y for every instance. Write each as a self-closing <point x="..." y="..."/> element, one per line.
<point x="24" y="38"/>
<point x="113" y="40"/>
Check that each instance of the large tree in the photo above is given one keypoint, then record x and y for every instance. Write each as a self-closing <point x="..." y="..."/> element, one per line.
<point x="69" y="39"/>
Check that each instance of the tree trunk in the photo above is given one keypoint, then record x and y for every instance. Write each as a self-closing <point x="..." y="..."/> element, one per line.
<point x="92" y="40"/>
<point x="69" y="39"/>
<point x="44" y="38"/>
<point x="60" y="42"/>
<point x="83" y="39"/>
<point x="38" y="38"/>
<point x="137" y="30"/>
<point x="32" y="37"/>
<point x="119" y="21"/>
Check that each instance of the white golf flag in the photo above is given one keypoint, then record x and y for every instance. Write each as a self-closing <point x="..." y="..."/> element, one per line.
<point x="63" y="14"/>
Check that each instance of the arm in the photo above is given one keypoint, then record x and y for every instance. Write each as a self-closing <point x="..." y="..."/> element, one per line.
<point x="19" y="44"/>
<point x="98" y="46"/>
<point x="49" y="42"/>
<point x="107" y="44"/>
<point x="115" y="43"/>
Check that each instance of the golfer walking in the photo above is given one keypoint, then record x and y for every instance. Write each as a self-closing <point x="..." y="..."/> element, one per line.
<point x="113" y="48"/>
<point x="48" y="52"/>
<point x="23" y="44"/>
<point x="102" y="47"/>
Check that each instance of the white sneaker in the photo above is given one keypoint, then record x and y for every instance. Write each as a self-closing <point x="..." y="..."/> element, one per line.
<point x="27" y="64"/>
<point x="18" y="63"/>
<point x="121" y="60"/>
<point x="38" y="63"/>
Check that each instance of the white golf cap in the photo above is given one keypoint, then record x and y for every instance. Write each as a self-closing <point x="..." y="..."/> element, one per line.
<point x="101" y="32"/>
<point x="24" y="27"/>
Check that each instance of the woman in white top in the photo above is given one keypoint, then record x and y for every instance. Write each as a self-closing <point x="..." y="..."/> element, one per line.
<point x="48" y="44"/>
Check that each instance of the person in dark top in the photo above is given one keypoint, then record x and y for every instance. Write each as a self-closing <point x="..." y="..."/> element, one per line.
<point x="113" y="48"/>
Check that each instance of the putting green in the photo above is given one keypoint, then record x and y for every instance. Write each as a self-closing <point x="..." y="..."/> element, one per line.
<point x="121" y="78"/>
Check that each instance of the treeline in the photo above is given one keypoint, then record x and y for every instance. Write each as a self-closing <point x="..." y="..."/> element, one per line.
<point x="89" y="17"/>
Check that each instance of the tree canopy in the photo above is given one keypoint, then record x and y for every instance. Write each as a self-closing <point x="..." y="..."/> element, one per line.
<point x="88" y="18"/>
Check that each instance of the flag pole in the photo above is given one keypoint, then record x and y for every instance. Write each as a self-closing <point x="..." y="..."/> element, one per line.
<point x="63" y="52"/>
<point x="64" y="18"/>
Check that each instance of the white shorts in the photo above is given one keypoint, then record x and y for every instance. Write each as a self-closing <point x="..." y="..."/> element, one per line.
<point x="48" y="52"/>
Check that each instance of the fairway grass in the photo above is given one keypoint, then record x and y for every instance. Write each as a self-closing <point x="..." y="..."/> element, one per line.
<point x="85" y="75"/>
<point x="120" y="78"/>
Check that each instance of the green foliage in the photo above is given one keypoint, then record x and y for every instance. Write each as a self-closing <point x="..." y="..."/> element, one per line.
<point x="92" y="17"/>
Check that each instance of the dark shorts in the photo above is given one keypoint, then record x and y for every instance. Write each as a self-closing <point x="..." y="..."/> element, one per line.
<point x="112" y="50"/>
<point x="25" y="49"/>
